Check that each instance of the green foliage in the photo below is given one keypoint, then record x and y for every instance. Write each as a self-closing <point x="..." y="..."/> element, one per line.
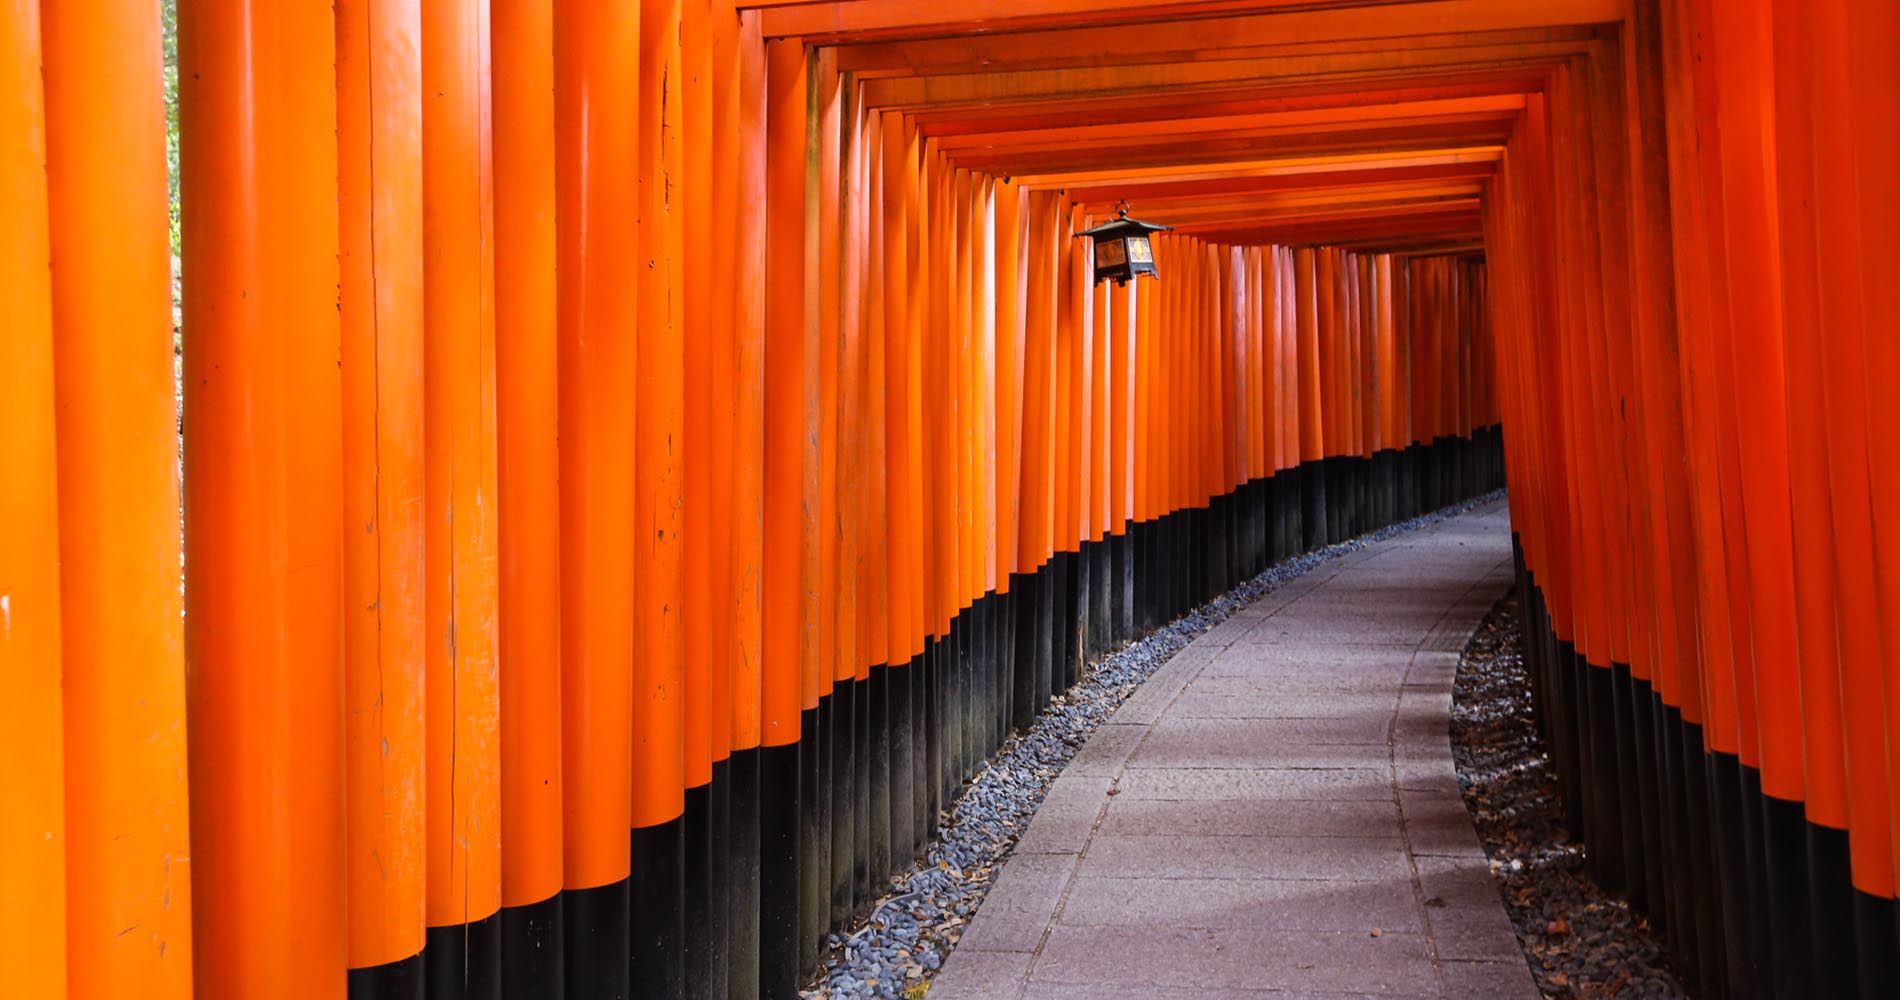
<point x="169" y="14"/>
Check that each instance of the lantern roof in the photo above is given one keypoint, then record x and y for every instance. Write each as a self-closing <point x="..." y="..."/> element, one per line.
<point x="1122" y="225"/>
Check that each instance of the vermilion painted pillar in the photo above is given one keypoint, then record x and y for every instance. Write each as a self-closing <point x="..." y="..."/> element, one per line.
<point x="789" y="597"/>
<point x="33" y="836"/>
<point x="707" y="252"/>
<point x="461" y="547"/>
<point x="527" y="425"/>
<point x="1841" y="306"/>
<point x="1870" y="28"/>
<point x="379" y="180"/>
<point x="904" y="619"/>
<point x="743" y="63"/>
<point x="657" y="938"/>
<point x="263" y="503"/>
<point x="879" y="657"/>
<point x="596" y="93"/>
<point x="122" y="649"/>
<point x="1811" y="569"/>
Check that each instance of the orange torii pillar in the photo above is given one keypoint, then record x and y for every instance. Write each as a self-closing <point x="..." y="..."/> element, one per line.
<point x="741" y="59"/>
<point x="829" y="762"/>
<point x="818" y="611"/>
<point x="461" y="550"/>
<point x="1291" y="490"/>
<point x="263" y="460"/>
<point x="527" y="416"/>
<point x="1066" y="415"/>
<point x="875" y="628"/>
<point x="90" y="624"/>
<point x="1095" y="545"/>
<point x="1306" y="290"/>
<point x="1035" y="610"/>
<point x="596" y="92"/>
<point x="1122" y="310"/>
<point x="656" y="869"/>
<point x="903" y="421"/>
<point x="710" y="132"/>
<point x="790" y="563"/>
<point x="380" y="303"/>
<point x="33" y="936"/>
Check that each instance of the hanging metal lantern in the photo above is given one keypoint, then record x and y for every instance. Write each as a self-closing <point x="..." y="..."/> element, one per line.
<point x="1122" y="250"/>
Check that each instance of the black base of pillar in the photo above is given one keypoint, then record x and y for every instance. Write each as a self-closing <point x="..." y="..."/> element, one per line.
<point x="656" y="954"/>
<point x="531" y="951"/>
<point x="742" y="875"/>
<point x="401" y="980"/>
<point x="464" y="960"/>
<point x="779" y="822"/>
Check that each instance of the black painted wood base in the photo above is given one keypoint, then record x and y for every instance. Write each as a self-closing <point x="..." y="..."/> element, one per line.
<point x="732" y="900"/>
<point x="464" y="960"/>
<point x="656" y="956"/>
<point x="705" y="940"/>
<point x="401" y="980"/>
<point x="532" y="948"/>
<point x="744" y="826"/>
<point x="779" y="858"/>
<point x="595" y="919"/>
<point x="1753" y="900"/>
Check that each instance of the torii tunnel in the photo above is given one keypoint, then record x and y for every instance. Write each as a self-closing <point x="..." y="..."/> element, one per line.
<point x="636" y="458"/>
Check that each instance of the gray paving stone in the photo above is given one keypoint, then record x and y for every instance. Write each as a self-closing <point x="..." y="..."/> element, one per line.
<point x="1456" y="884"/>
<point x="1224" y="633"/>
<point x="1071" y="991"/>
<point x="1235" y="831"/>
<point x="1107" y="752"/>
<point x="1192" y="742"/>
<point x="1187" y="855"/>
<point x="1155" y="694"/>
<point x="1426" y="775"/>
<point x="1022" y="904"/>
<point x="1419" y="730"/>
<point x="1427" y="683"/>
<point x="1358" y="667"/>
<point x="1349" y="724"/>
<point x="1476" y="934"/>
<point x="1247" y="698"/>
<point x="1236" y="958"/>
<point x="1367" y="622"/>
<point x="1441" y="833"/>
<point x="1286" y="627"/>
<point x="1426" y="705"/>
<point x="1272" y="904"/>
<point x="1214" y="818"/>
<point x="1230" y="784"/>
<point x="1067" y="816"/>
<point x="981" y="975"/>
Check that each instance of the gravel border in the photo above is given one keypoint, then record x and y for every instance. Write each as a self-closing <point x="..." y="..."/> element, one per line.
<point x="900" y="945"/>
<point x="1580" y="940"/>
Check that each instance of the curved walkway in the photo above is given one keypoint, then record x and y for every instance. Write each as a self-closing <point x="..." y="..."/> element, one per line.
<point x="1275" y="812"/>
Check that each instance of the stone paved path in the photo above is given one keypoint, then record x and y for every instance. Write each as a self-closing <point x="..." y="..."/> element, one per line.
<point x="1275" y="813"/>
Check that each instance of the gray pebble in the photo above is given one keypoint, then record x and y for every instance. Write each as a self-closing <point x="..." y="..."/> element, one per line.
<point x="1580" y="940"/>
